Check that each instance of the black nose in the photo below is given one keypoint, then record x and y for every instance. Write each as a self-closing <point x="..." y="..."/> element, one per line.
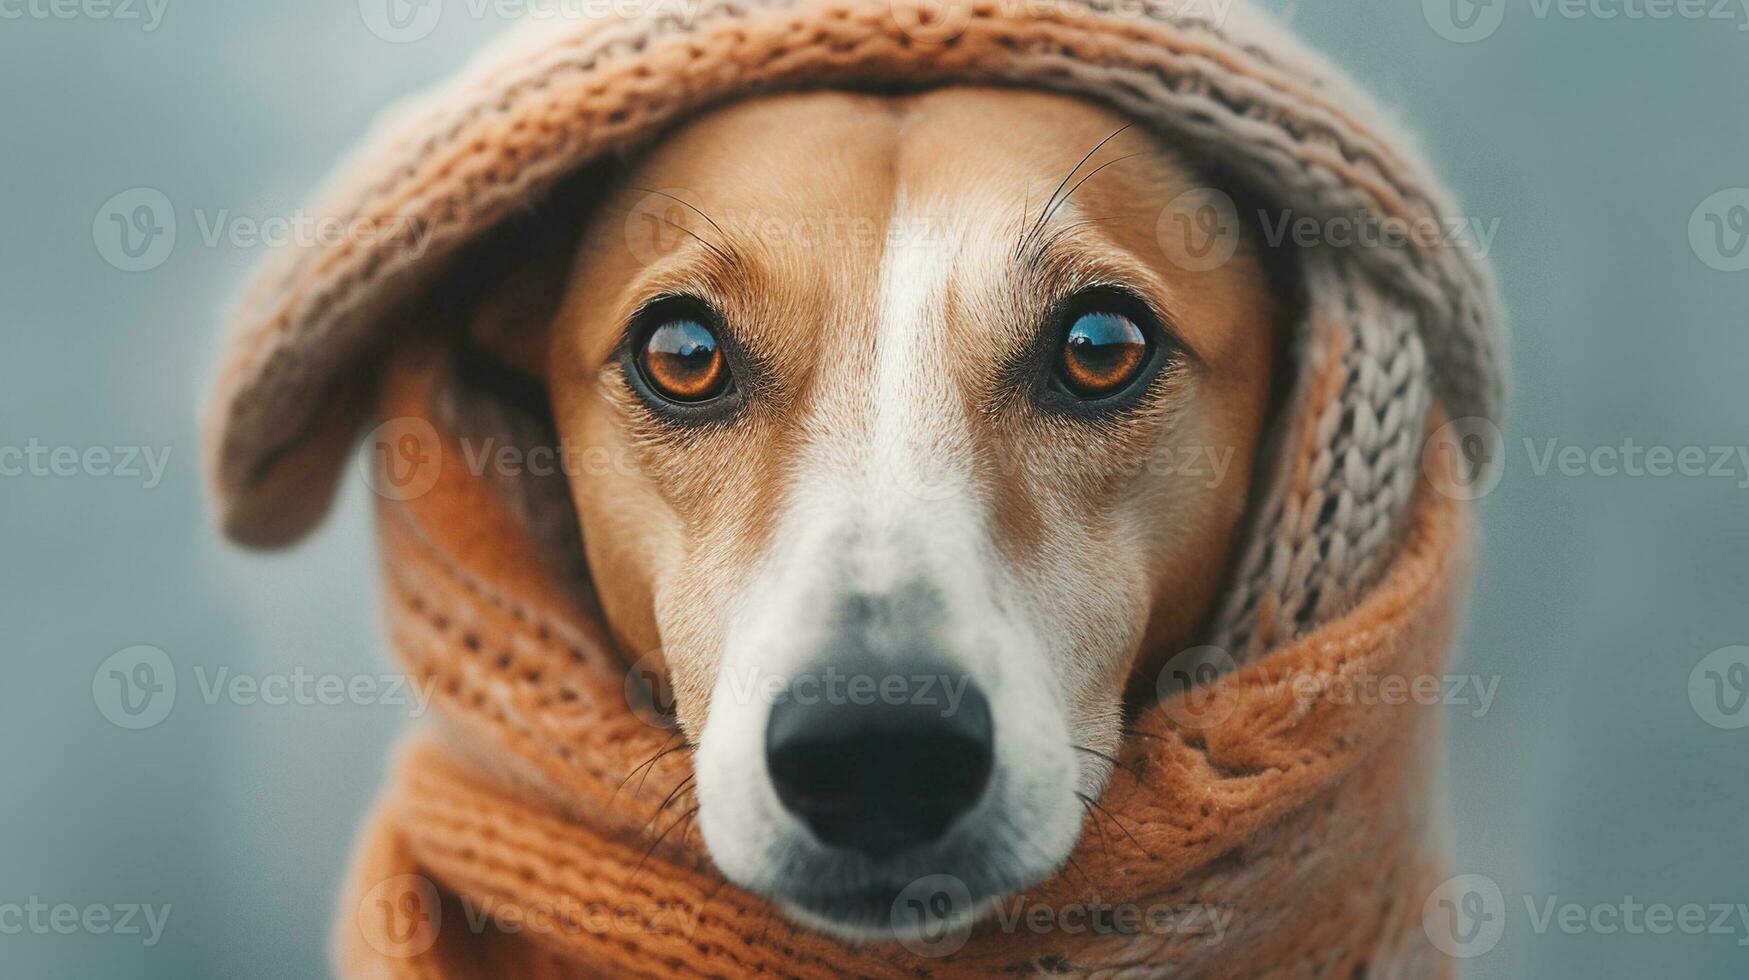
<point x="879" y="760"/>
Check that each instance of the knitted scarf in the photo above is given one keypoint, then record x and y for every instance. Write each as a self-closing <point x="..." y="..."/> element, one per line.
<point x="511" y="840"/>
<point x="1275" y="822"/>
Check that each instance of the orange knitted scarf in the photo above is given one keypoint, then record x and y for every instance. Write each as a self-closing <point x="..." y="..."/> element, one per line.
<point x="1261" y="825"/>
<point x="1273" y="821"/>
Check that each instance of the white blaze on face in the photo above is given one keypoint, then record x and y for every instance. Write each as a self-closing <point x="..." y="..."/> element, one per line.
<point x="884" y="505"/>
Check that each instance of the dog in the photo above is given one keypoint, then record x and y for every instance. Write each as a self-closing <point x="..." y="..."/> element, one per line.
<point x="907" y="396"/>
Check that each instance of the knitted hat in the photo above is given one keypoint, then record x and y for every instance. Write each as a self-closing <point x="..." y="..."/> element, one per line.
<point x="1388" y="329"/>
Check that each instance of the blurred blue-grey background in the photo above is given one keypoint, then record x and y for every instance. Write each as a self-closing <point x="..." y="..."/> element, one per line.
<point x="1594" y="778"/>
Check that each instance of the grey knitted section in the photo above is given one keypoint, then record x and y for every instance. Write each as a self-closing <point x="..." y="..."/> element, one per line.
<point x="1332" y="510"/>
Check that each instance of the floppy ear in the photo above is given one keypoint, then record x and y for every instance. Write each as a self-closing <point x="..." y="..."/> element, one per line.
<point x="492" y="397"/>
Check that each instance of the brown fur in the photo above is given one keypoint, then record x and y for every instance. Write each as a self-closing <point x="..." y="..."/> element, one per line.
<point x="674" y="521"/>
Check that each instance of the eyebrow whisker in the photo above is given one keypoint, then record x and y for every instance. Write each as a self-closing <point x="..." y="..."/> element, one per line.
<point x="1065" y="182"/>
<point x="721" y="253"/>
<point x="1090" y="175"/>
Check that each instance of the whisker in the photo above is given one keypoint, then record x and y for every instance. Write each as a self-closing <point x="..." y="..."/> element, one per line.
<point x="1090" y="175"/>
<point x="685" y="204"/>
<point x="674" y="793"/>
<point x="658" y="841"/>
<point x="647" y="764"/>
<point x="1070" y="859"/>
<point x="1116" y="764"/>
<point x="1098" y="755"/>
<point x="1066" y="178"/>
<point x="724" y="255"/>
<point x="1120" y="824"/>
<point x="691" y="823"/>
<point x="1098" y="828"/>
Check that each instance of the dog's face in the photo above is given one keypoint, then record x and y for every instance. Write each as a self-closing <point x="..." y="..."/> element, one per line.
<point x="908" y="469"/>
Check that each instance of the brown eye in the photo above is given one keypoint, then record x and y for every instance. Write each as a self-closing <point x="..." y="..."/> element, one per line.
<point x="1102" y="354"/>
<point x="682" y="361"/>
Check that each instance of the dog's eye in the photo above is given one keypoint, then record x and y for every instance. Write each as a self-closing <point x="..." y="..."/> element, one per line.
<point x="682" y="360"/>
<point x="1103" y="353"/>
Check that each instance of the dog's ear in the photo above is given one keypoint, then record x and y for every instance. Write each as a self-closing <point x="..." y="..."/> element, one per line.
<point x="500" y="304"/>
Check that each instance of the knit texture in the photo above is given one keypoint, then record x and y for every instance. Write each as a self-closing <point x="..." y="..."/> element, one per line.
<point x="1305" y="815"/>
<point x="1405" y="323"/>
<point x="546" y="826"/>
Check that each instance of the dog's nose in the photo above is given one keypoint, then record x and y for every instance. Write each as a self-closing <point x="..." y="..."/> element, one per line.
<point x="882" y="761"/>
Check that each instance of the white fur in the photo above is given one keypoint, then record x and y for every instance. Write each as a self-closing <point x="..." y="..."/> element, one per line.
<point x="873" y="512"/>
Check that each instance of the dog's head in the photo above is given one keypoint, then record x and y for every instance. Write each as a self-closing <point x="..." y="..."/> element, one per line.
<point x="918" y="445"/>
